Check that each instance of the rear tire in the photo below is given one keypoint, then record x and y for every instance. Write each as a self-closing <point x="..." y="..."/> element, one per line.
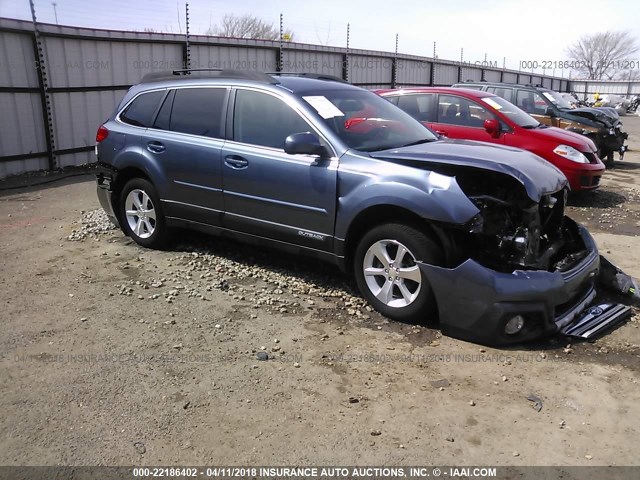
<point x="141" y="214"/>
<point x="387" y="274"/>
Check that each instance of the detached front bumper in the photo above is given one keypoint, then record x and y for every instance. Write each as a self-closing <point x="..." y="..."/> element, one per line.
<point x="475" y="303"/>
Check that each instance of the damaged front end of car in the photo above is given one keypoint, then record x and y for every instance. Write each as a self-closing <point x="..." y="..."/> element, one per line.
<point x="610" y="136"/>
<point x="518" y="270"/>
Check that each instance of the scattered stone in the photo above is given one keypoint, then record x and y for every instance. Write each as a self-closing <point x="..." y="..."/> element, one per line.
<point x="178" y="346"/>
<point x="262" y="356"/>
<point x="450" y="439"/>
<point x="516" y="454"/>
<point x="84" y="319"/>
<point x="472" y="403"/>
<point x="92" y="225"/>
<point x="140" y="448"/>
<point x="588" y="457"/>
<point x="296" y="365"/>
<point x="354" y="400"/>
<point x="504" y="378"/>
<point x="376" y="433"/>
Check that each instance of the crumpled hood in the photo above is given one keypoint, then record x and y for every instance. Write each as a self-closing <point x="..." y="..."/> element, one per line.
<point x="538" y="176"/>
<point x="599" y="114"/>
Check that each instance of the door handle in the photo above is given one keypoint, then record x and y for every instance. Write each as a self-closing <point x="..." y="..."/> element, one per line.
<point x="235" y="161"/>
<point x="156" y="147"/>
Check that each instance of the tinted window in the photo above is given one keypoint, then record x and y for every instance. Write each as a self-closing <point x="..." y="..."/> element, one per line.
<point x="140" y="112"/>
<point x="419" y="106"/>
<point x="262" y="119"/>
<point x="501" y="92"/>
<point x="198" y="111"/>
<point x="531" y="102"/>
<point x="164" y="115"/>
<point x="460" y="111"/>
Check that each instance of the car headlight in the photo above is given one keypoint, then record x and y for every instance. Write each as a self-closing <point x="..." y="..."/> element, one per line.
<point x="570" y="153"/>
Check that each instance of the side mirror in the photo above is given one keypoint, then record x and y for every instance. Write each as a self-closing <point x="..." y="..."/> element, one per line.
<point x="492" y="126"/>
<point x="305" y="143"/>
<point x="550" y="112"/>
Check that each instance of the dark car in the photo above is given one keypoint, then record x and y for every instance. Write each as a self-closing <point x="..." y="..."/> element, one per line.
<point x="473" y="232"/>
<point x="549" y="107"/>
<point x="476" y="115"/>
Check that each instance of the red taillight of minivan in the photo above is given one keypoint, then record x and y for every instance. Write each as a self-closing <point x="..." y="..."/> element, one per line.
<point x="101" y="134"/>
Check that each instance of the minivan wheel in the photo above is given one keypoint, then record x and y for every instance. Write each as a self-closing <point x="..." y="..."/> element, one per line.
<point x="388" y="276"/>
<point x="141" y="214"/>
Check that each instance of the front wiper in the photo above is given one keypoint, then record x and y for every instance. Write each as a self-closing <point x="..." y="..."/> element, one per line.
<point x="417" y="142"/>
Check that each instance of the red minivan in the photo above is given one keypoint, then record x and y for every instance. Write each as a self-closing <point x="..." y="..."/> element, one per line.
<point x="476" y="115"/>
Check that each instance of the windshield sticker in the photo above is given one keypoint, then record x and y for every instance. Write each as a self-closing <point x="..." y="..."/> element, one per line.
<point x="491" y="102"/>
<point x="323" y="106"/>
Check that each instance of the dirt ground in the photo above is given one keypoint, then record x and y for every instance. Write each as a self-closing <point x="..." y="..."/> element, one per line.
<point x="116" y="355"/>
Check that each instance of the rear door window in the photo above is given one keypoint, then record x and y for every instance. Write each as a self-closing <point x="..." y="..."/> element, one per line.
<point x="501" y="92"/>
<point x="453" y="110"/>
<point x="531" y="102"/>
<point x="142" y="110"/>
<point x="419" y="106"/>
<point x="198" y="111"/>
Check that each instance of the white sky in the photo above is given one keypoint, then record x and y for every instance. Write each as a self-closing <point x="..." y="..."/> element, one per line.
<point x="517" y="30"/>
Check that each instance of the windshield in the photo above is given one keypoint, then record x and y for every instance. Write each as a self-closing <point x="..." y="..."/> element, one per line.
<point x="517" y="116"/>
<point x="367" y="122"/>
<point x="557" y="99"/>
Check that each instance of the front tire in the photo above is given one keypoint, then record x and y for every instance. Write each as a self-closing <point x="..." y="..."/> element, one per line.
<point x="388" y="276"/>
<point x="141" y="214"/>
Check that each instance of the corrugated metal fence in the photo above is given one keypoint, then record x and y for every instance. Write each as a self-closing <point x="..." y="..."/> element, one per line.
<point x="586" y="88"/>
<point x="87" y="71"/>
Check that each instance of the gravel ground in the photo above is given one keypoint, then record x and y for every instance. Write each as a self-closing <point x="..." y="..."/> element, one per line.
<point x="218" y="353"/>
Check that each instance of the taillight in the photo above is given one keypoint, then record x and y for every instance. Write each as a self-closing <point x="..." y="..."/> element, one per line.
<point x="101" y="134"/>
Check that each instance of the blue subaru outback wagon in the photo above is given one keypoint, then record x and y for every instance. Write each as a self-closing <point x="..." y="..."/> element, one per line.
<point x="473" y="233"/>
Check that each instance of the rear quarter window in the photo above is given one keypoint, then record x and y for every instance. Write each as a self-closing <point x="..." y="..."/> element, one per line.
<point x="142" y="110"/>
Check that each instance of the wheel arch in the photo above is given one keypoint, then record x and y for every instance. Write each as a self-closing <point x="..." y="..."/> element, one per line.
<point x="380" y="214"/>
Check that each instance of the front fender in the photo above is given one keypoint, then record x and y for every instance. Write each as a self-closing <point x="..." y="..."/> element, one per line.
<point x="430" y="195"/>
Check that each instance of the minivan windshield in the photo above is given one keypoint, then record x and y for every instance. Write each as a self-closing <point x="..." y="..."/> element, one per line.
<point x="517" y="116"/>
<point x="365" y="121"/>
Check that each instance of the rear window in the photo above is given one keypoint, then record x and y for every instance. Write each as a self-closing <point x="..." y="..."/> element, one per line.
<point x="198" y="111"/>
<point x="141" y="111"/>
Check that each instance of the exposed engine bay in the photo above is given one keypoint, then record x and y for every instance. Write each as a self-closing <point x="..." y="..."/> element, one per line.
<point x="514" y="232"/>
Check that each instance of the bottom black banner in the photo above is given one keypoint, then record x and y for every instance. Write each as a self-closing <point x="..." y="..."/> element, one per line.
<point x="319" y="472"/>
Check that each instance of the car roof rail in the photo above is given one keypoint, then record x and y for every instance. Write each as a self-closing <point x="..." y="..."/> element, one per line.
<point x="209" y="73"/>
<point x="316" y="76"/>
